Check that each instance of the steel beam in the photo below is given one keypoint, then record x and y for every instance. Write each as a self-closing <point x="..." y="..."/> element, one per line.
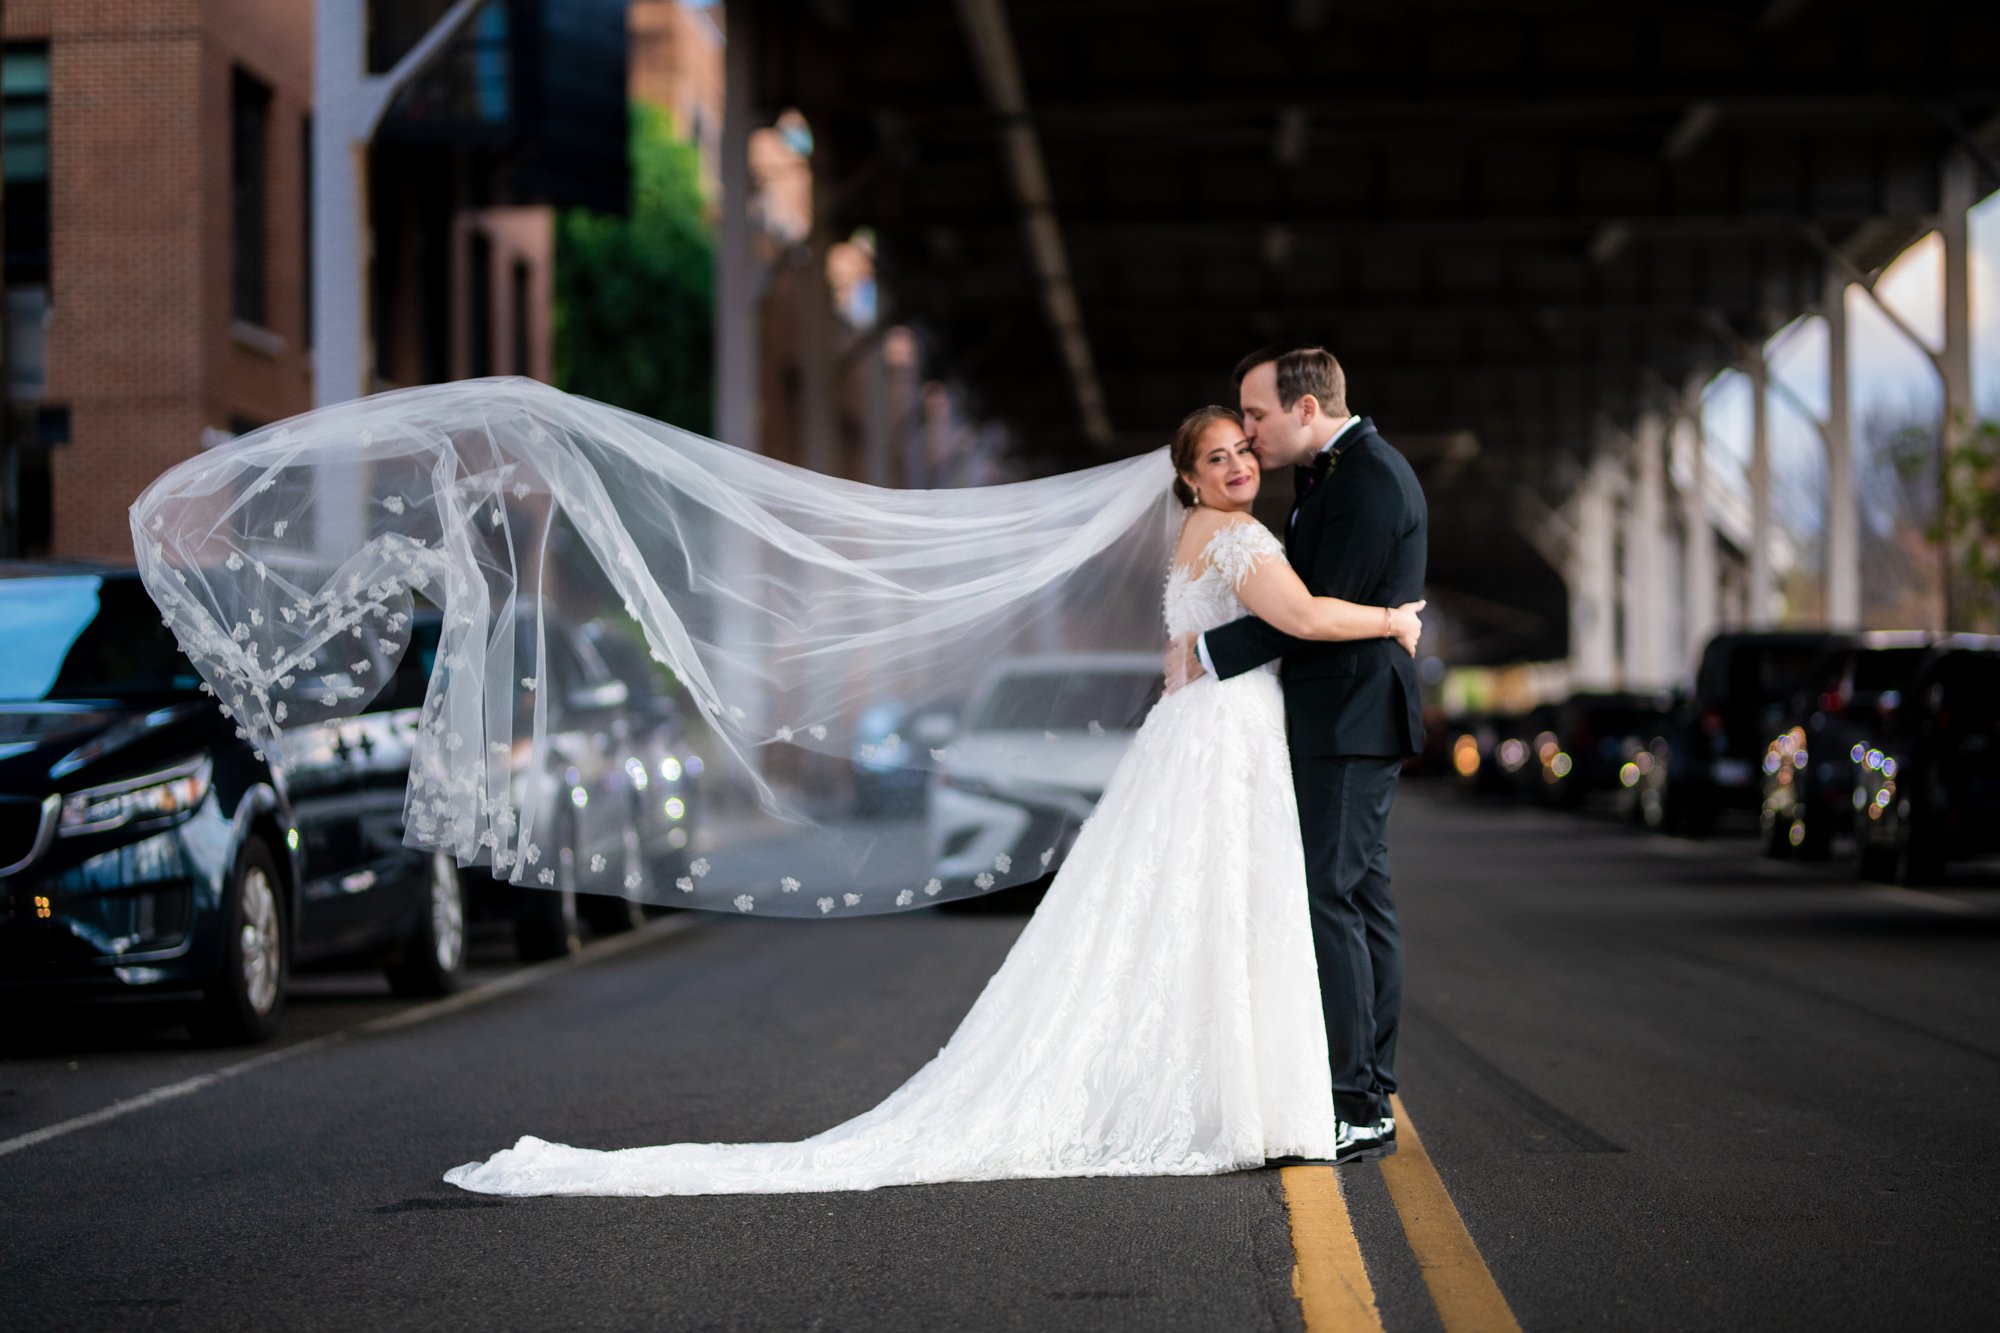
<point x="1843" y="506"/>
<point x="1954" y="362"/>
<point x="1698" y="569"/>
<point x="1762" y="594"/>
<point x="737" y="282"/>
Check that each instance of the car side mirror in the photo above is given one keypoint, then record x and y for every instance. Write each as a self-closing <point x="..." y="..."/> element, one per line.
<point x="933" y="729"/>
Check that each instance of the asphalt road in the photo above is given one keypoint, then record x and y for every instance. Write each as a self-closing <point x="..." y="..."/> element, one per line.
<point x="1665" y="1085"/>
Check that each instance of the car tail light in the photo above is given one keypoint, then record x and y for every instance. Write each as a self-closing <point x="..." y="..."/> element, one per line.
<point x="1711" y="722"/>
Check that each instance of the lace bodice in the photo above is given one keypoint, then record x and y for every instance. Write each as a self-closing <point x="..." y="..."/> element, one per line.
<point x="1195" y="602"/>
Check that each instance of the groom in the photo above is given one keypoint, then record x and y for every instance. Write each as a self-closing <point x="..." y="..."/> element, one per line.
<point x="1357" y="530"/>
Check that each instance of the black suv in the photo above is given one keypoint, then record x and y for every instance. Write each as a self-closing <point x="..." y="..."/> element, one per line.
<point x="146" y="849"/>
<point x="1809" y="767"/>
<point x="1715" y="742"/>
<point x="1600" y="736"/>
<point x="1929" y="791"/>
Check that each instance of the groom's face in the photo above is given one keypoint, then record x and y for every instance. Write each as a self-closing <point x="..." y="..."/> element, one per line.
<point x="1281" y="437"/>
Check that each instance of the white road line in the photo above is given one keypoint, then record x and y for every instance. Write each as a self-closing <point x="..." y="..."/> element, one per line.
<point x="1934" y="902"/>
<point x="396" y="1022"/>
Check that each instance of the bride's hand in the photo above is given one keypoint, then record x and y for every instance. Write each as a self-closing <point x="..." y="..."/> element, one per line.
<point x="1406" y="626"/>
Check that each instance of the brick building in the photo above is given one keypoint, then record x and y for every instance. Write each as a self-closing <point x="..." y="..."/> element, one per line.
<point x="155" y="224"/>
<point x="157" y="207"/>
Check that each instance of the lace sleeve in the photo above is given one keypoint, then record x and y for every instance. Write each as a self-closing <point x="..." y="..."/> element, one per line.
<point x="1239" y="549"/>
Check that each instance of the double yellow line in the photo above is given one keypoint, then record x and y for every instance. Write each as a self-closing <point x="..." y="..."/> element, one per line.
<point x="1329" y="1277"/>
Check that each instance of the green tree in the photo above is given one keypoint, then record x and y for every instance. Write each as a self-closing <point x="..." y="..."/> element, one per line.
<point x="1968" y="520"/>
<point x="635" y="294"/>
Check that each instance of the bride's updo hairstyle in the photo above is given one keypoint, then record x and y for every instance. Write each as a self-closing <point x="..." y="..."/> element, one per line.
<point x="1187" y="442"/>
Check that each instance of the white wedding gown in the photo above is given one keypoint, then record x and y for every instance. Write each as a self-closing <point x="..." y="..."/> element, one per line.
<point x="1159" y="1015"/>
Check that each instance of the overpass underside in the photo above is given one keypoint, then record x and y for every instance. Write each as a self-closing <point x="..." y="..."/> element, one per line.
<point x="1530" y="232"/>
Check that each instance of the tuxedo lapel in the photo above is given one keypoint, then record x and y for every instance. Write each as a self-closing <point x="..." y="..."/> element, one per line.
<point x="1302" y="532"/>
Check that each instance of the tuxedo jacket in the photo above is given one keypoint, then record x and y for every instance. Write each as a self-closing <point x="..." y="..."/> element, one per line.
<point x="1360" y="535"/>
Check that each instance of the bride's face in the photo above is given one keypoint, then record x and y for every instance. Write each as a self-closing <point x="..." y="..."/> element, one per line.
<point x="1225" y="475"/>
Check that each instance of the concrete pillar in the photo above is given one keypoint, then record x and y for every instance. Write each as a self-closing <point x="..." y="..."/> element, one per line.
<point x="1645" y="665"/>
<point x="1762" y="597"/>
<point x="1955" y="200"/>
<point x="736" y="281"/>
<point x="1843" y="505"/>
<point x="342" y="355"/>
<point x="738" y="307"/>
<point x="1698" y="574"/>
<point x="1592" y="590"/>
<point x="340" y="213"/>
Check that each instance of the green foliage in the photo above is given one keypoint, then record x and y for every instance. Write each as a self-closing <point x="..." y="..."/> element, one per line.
<point x="1972" y="525"/>
<point x="635" y="295"/>
<point x="1968" y="520"/>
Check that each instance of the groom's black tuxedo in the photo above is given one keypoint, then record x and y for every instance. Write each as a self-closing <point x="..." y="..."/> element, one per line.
<point x="1360" y="535"/>
<point x="1353" y="712"/>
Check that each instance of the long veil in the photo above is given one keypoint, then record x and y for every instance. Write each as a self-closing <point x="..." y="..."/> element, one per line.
<point x="624" y="658"/>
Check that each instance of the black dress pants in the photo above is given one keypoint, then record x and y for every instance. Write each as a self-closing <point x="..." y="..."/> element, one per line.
<point x="1344" y="819"/>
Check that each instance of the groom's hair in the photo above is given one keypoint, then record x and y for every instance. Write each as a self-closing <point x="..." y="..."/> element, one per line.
<point x="1302" y="369"/>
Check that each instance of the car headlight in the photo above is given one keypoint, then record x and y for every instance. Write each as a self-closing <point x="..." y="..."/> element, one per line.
<point x="168" y="792"/>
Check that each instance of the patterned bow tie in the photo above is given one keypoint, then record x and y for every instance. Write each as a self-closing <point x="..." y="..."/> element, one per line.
<point x="1322" y="466"/>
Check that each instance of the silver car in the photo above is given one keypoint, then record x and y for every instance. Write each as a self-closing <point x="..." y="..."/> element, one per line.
<point x="1041" y="738"/>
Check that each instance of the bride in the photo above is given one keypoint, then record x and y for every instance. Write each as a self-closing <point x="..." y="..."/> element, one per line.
<point x="1160" y="1013"/>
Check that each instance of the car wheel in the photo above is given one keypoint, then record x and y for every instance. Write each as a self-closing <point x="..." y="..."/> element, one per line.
<point x="546" y="923"/>
<point x="432" y="960"/>
<point x="246" y="1001"/>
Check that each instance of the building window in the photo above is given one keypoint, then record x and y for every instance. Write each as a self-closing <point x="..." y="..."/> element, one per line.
<point x="26" y="122"/>
<point x="249" y="180"/>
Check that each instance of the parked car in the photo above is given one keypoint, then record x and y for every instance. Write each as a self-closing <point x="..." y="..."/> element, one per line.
<point x="1929" y="792"/>
<point x="886" y="783"/>
<point x="1714" y="750"/>
<point x="1809" y="767"/>
<point x="1497" y="753"/>
<point x="1599" y="736"/>
<point x="588" y="786"/>
<point x="1041" y="738"/>
<point x="664" y="768"/>
<point x="147" y="850"/>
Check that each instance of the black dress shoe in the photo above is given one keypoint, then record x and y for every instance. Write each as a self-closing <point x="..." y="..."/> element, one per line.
<point x="1351" y="1143"/>
<point x="1363" y="1143"/>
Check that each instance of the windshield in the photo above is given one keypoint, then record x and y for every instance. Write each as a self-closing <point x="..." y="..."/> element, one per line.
<point x="1069" y="701"/>
<point x="1885" y="669"/>
<point x="1757" y="674"/>
<point x="85" y="637"/>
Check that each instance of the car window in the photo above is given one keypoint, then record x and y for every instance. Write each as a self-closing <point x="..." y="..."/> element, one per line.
<point x="86" y="636"/>
<point x="413" y="672"/>
<point x="1068" y="700"/>
<point x="1768" y="673"/>
<point x="1968" y="684"/>
<point x="1885" y="669"/>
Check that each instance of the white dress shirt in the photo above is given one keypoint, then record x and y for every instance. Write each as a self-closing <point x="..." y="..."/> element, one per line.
<point x="1201" y="640"/>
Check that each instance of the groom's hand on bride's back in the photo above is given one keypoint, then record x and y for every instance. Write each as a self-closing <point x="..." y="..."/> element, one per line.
<point x="1180" y="664"/>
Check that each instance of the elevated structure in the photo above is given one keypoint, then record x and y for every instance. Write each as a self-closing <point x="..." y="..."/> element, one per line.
<point x="1526" y="229"/>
